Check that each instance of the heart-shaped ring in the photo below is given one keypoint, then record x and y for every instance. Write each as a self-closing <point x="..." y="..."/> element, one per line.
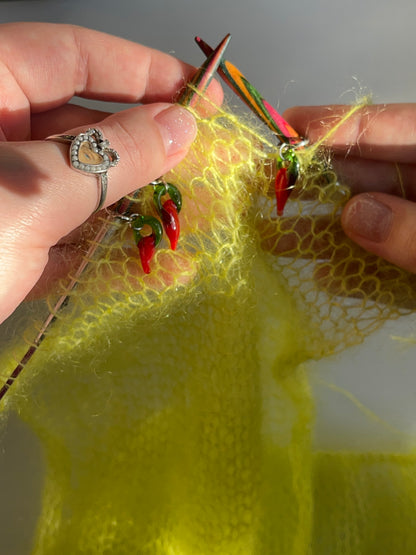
<point x="90" y="153"/>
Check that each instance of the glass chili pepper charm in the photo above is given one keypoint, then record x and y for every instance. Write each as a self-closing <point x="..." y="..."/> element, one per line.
<point x="169" y="210"/>
<point x="288" y="168"/>
<point x="147" y="247"/>
<point x="286" y="176"/>
<point x="170" y="220"/>
<point x="281" y="190"/>
<point x="146" y="243"/>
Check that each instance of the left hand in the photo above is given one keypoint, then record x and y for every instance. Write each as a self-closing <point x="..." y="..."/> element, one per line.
<point x="42" y="199"/>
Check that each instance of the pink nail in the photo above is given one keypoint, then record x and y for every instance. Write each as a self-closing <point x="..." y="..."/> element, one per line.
<point x="368" y="218"/>
<point x="177" y="127"/>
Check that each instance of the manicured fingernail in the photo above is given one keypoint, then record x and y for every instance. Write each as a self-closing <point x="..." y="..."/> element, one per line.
<point x="368" y="218"/>
<point x="177" y="127"/>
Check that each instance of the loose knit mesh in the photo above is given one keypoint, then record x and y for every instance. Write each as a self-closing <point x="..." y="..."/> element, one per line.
<point x="174" y="408"/>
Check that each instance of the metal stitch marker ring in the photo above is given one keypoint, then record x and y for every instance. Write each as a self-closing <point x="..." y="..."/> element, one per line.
<point x="89" y="153"/>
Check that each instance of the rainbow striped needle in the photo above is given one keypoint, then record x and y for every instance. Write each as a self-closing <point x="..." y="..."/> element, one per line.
<point x="250" y="95"/>
<point x="204" y="74"/>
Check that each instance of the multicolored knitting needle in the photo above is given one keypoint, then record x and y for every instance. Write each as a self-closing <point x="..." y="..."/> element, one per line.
<point x="288" y="166"/>
<point x="251" y="96"/>
<point x="205" y="73"/>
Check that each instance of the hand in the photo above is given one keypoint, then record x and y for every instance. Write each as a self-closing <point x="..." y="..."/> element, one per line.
<point x="41" y="198"/>
<point x="374" y="153"/>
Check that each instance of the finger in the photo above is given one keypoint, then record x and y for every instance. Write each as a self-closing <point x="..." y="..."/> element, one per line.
<point x="363" y="175"/>
<point x="384" y="225"/>
<point x="42" y="66"/>
<point x="62" y="118"/>
<point x="150" y="140"/>
<point x="378" y="132"/>
<point x="43" y="199"/>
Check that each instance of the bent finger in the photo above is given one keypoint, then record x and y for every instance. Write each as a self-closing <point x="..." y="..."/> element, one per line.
<point x="363" y="175"/>
<point x="43" y="65"/>
<point x="384" y="225"/>
<point x="52" y="62"/>
<point x="62" y="118"/>
<point x="378" y="132"/>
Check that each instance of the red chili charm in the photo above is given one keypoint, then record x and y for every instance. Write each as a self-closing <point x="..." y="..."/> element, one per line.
<point x="282" y="190"/>
<point x="146" y="243"/>
<point x="147" y="249"/>
<point x="170" y="220"/>
<point x="169" y="210"/>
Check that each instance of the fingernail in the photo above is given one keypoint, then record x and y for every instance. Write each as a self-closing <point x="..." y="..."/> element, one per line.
<point x="177" y="127"/>
<point x="368" y="218"/>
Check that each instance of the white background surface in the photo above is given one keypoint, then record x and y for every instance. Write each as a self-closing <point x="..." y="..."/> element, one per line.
<point x="297" y="52"/>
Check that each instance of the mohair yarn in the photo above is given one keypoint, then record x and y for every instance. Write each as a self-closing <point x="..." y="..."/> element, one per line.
<point x="175" y="409"/>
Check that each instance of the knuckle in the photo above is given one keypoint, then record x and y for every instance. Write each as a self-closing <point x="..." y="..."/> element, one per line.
<point x="140" y="151"/>
<point x="132" y="147"/>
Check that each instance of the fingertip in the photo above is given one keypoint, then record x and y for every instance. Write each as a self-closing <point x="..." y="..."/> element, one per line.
<point x="210" y="100"/>
<point x="292" y="112"/>
<point x="215" y="93"/>
<point x="384" y="225"/>
<point x="298" y="118"/>
<point x="177" y="127"/>
<point x="367" y="217"/>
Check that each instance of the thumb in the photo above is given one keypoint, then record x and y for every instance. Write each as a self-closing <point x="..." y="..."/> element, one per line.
<point x="43" y="198"/>
<point x="384" y="225"/>
<point x="150" y="140"/>
<point x="40" y="189"/>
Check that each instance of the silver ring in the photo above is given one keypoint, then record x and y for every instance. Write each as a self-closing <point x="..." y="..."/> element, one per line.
<point x="89" y="153"/>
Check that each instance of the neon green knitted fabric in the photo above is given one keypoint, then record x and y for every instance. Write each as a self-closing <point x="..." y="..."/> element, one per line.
<point x="175" y="409"/>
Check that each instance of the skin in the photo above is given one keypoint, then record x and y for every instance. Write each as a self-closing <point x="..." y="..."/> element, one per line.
<point x="43" y="201"/>
<point x="375" y="153"/>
